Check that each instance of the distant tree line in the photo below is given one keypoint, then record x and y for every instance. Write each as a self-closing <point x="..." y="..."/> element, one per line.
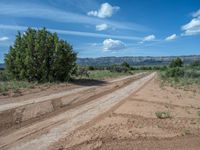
<point x="39" y="55"/>
<point x="124" y="67"/>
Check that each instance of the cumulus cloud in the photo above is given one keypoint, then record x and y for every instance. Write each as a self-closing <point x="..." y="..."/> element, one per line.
<point x="193" y="27"/>
<point x="106" y="10"/>
<point x="101" y="27"/>
<point x="171" y="37"/>
<point x="112" y="45"/>
<point x="3" y="39"/>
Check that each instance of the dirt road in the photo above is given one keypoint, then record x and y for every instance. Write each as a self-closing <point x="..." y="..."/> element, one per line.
<point x="61" y="113"/>
<point x="134" y="125"/>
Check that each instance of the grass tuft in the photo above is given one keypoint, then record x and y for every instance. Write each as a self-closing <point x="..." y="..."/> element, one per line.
<point x="198" y="113"/>
<point x="163" y="115"/>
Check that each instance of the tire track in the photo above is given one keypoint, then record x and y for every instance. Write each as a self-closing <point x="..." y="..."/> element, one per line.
<point x="64" y="123"/>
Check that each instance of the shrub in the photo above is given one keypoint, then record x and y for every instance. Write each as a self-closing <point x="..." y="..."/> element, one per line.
<point x="192" y="73"/>
<point x="174" y="72"/>
<point x="119" y="68"/>
<point x="38" y="55"/>
<point x="163" y="115"/>
<point x="176" y="63"/>
<point x="91" y="68"/>
<point x="125" y="64"/>
<point x="4" y="76"/>
<point x="195" y="63"/>
<point x="82" y="72"/>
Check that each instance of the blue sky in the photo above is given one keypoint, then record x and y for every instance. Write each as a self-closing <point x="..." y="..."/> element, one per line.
<point x="108" y="28"/>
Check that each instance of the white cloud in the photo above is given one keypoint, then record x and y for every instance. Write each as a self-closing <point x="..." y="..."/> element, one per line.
<point x="101" y="27"/>
<point x="148" y="38"/>
<point x="106" y="10"/>
<point x="46" y="12"/>
<point x="193" y="27"/>
<point x="196" y="14"/>
<point x="112" y="45"/>
<point x="3" y="39"/>
<point x="171" y="37"/>
<point x="71" y="32"/>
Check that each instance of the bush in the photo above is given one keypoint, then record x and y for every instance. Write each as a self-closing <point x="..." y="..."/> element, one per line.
<point x="174" y="72"/>
<point x="192" y="74"/>
<point x="125" y="64"/>
<point x="82" y="72"/>
<point x="120" y="69"/>
<point x="195" y="63"/>
<point x="176" y="63"/>
<point x="123" y="68"/>
<point x="91" y="68"/>
<point x="38" y="55"/>
<point x="4" y="76"/>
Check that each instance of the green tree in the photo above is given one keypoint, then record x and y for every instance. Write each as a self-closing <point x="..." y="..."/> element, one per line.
<point x="176" y="63"/>
<point x="38" y="55"/>
<point x="125" y="64"/>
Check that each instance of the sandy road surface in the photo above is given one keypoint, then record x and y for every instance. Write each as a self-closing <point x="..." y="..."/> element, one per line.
<point x="20" y="112"/>
<point x="11" y="105"/>
<point x="133" y="124"/>
<point x="48" y="131"/>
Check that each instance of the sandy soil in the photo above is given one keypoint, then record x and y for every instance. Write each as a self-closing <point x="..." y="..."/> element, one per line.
<point x="133" y="124"/>
<point x="89" y="104"/>
<point x="47" y="89"/>
<point x="20" y="111"/>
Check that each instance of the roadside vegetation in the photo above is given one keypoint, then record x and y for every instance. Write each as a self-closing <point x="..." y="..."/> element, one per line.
<point x="103" y="72"/>
<point x="180" y="75"/>
<point x="37" y="57"/>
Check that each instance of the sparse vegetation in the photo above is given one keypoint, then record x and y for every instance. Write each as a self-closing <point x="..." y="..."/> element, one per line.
<point x="186" y="132"/>
<point x="181" y="75"/>
<point x="15" y="86"/>
<point x="198" y="112"/>
<point x="102" y="72"/>
<point x="162" y="115"/>
<point x="99" y="74"/>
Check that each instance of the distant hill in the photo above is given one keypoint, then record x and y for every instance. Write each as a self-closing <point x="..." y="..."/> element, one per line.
<point x="140" y="60"/>
<point x="2" y="66"/>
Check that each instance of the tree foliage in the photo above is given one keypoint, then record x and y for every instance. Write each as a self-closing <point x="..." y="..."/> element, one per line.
<point x="176" y="63"/>
<point x="38" y="55"/>
<point x="125" y="64"/>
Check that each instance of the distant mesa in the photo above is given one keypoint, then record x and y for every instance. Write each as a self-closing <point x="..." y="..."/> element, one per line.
<point x="140" y="60"/>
